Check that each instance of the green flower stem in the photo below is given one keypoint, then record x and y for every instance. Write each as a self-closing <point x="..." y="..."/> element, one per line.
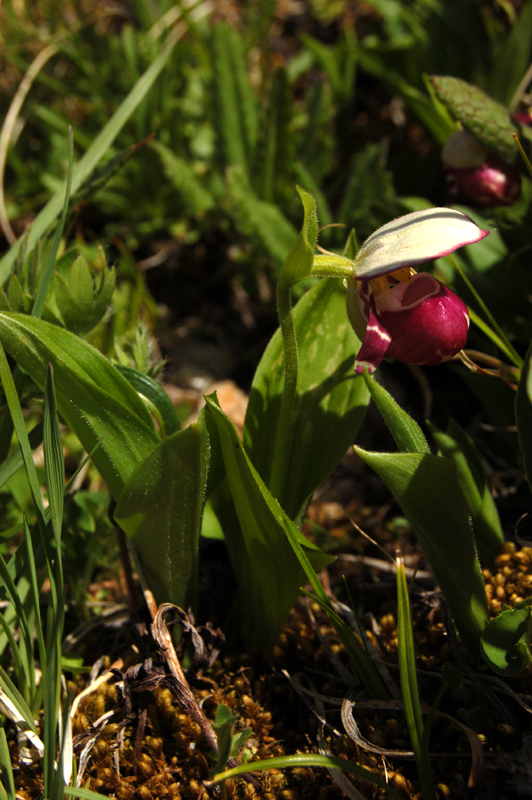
<point x="284" y="423"/>
<point x="330" y="265"/>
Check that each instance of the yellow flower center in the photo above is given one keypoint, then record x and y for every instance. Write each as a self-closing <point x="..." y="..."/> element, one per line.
<point x="403" y="275"/>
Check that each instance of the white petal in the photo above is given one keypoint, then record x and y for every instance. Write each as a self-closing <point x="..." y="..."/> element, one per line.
<point x="415" y="239"/>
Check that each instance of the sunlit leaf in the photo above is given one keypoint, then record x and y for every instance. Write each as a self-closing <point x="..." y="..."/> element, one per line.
<point x="93" y="397"/>
<point x="427" y="489"/>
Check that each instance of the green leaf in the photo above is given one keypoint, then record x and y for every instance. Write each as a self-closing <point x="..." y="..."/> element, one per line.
<point x="81" y="303"/>
<point x="157" y="399"/>
<point x="274" y="156"/>
<point x="458" y="446"/>
<point x="429" y="493"/>
<point x="407" y="434"/>
<point x="262" y="222"/>
<point x="237" y="120"/>
<point x="268" y="573"/>
<point x="87" y="164"/>
<point x="311" y="760"/>
<point x="92" y="396"/>
<point x="195" y="198"/>
<point x="523" y="414"/>
<point x="511" y="59"/>
<point x="54" y="462"/>
<point x="409" y="684"/>
<point x="330" y="403"/>
<point x="505" y="642"/>
<point x="161" y="509"/>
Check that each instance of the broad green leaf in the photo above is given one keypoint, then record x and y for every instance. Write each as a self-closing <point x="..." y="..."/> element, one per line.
<point x="505" y="642"/>
<point x="161" y="508"/>
<point x="523" y="414"/>
<point x="93" y="397"/>
<point x="429" y="493"/>
<point x="458" y="446"/>
<point x="88" y="163"/>
<point x="407" y="434"/>
<point x="268" y="573"/>
<point x="330" y="402"/>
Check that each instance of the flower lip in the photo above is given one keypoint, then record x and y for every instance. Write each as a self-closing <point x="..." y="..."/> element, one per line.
<point x="415" y="239"/>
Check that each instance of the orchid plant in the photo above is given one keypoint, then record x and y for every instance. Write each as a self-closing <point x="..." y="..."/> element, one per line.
<point x="305" y="399"/>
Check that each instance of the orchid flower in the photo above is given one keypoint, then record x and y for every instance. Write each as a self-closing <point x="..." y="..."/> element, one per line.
<point x="402" y="314"/>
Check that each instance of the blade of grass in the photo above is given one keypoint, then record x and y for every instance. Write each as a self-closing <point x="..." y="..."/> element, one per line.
<point x="46" y="276"/>
<point x="26" y="638"/>
<point x="55" y="480"/>
<point x="309" y="760"/>
<point x="92" y="157"/>
<point x="496" y="334"/>
<point x="490" y="333"/>
<point x="11" y="695"/>
<point x="409" y="685"/>
<point x="7" y="791"/>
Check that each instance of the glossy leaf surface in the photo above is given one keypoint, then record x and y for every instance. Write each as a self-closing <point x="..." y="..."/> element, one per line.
<point x="460" y="448"/>
<point x="92" y="396"/>
<point x="267" y="571"/>
<point x="427" y="489"/>
<point x="330" y="402"/>
<point x="161" y="509"/>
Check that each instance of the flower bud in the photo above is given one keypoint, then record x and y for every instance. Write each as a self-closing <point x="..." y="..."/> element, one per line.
<point x="481" y="176"/>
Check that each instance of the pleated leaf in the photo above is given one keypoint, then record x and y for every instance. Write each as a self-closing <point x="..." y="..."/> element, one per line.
<point x="92" y="396"/>
<point x="460" y="448"/>
<point x="267" y="571"/>
<point x="428" y="491"/>
<point x="161" y="509"/>
<point x="330" y="403"/>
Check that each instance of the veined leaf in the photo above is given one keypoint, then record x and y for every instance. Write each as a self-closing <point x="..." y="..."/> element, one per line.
<point x="428" y="491"/>
<point x="330" y="402"/>
<point x="267" y="570"/>
<point x="458" y="446"/>
<point x="161" y="511"/>
<point x="92" y="396"/>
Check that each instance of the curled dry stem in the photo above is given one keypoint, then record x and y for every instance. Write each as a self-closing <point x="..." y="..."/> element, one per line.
<point x="495" y="368"/>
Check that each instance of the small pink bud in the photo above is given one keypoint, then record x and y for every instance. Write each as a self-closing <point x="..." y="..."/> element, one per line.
<point x="477" y="174"/>
<point x="419" y="322"/>
<point x="524" y="117"/>
<point x="493" y="184"/>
